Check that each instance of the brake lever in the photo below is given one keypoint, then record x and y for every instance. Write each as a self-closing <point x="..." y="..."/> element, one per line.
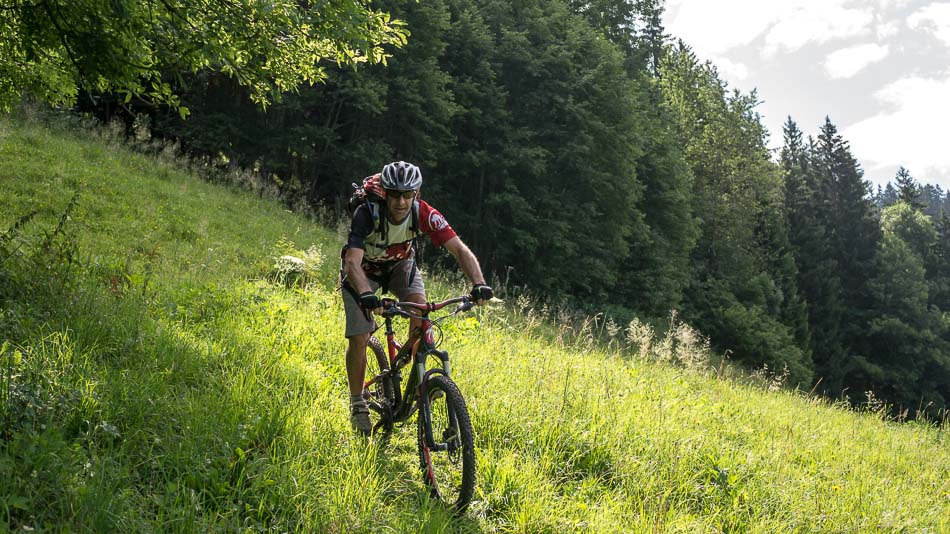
<point x="389" y="308"/>
<point x="464" y="307"/>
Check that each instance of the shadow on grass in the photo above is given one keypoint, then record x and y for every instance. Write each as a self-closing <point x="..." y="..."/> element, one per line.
<point x="155" y="425"/>
<point x="399" y="465"/>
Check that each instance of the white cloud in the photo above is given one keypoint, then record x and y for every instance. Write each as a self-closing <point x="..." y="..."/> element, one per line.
<point x="911" y="132"/>
<point x="733" y="70"/>
<point x="893" y="4"/>
<point x="934" y="18"/>
<point x="714" y="28"/>
<point x="816" y="22"/>
<point x="886" y="30"/>
<point x="847" y="62"/>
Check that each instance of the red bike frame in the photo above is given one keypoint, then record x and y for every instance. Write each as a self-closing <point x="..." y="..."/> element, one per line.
<point x="421" y="341"/>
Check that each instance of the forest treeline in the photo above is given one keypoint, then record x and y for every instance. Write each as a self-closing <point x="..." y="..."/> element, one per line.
<point x="589" y="157"/>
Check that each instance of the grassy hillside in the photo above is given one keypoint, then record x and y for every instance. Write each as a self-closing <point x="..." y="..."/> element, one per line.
<point x="154" y="376"/>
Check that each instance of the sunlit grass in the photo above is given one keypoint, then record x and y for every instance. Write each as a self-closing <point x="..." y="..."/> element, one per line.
<point x="164" y="379"/>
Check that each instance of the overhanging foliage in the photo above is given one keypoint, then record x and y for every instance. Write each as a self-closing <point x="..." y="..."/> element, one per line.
<point x="53" y="49"/>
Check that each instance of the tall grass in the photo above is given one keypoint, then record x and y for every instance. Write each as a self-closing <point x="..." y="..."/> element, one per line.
<point x="162" y="369"/>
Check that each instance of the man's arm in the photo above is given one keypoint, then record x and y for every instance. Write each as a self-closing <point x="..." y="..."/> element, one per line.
<point x="466" y="260"/>
<point x="353" y="267"/>
<point x="360" y="228"/>
<point x="469" y="264"/>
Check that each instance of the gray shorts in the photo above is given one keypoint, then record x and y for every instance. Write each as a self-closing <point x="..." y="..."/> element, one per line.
<point x="404" y="280"/>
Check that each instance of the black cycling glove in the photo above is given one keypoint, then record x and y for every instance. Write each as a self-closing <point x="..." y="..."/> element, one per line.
<point x="369" y="300"/>
<point x="482" y="292"/>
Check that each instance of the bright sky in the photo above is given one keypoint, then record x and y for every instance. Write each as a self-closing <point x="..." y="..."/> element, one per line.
<point x="880" y="69"/>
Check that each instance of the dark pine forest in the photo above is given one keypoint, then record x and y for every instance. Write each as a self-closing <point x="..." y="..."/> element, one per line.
<point x="591" y="159"/>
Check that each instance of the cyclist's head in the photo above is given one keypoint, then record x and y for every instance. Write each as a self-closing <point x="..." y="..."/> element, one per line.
<point x="401" y="176"/>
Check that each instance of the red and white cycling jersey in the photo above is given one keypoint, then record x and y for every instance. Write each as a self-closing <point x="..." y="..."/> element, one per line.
<point x="398" y="243"/>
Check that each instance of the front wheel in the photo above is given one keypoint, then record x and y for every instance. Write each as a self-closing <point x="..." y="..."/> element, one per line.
<point x="379" y="394"/>
<point x="448" y="464"/>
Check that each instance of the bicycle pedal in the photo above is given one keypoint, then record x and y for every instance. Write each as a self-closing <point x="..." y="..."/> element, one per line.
<point x="384" y="426"/>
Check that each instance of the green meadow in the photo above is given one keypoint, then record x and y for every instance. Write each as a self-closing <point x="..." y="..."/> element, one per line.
<point x="159" y="372"/>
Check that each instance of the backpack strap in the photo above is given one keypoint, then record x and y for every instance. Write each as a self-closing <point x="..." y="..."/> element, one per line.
<point x="378" y="211"/>
<point x="414" y="225"/>
<point x="414" y="228"/>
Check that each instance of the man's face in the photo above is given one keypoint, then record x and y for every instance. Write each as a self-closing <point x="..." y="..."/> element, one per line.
<point x="399" y="203"/>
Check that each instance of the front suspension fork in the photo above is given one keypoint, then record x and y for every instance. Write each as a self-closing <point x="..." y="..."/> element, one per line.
<point x="424" y="407"/>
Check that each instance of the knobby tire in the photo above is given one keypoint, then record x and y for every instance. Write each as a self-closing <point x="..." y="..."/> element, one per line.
<point x="450" y="475"/>
<point x="382" y="391"/>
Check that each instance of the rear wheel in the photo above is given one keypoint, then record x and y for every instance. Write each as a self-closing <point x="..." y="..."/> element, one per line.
<point x="448" y="464"/>
<point x="379" y="395"/>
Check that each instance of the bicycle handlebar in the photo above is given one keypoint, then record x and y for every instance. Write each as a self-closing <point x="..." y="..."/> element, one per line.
<point x="392" y="308"/>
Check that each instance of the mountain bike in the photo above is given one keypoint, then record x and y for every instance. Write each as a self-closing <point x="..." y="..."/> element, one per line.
<point x="443" y="427"/>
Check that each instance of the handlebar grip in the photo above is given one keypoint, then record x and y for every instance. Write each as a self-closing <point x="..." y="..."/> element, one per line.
<point x="391" y="308"/>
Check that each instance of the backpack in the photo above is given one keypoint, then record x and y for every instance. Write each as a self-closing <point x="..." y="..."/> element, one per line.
<point x="371" y="192"/>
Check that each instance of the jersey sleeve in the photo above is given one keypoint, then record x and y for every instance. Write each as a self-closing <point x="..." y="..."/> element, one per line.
<point x="434" y="225"/>
<point x="360" y="228"/>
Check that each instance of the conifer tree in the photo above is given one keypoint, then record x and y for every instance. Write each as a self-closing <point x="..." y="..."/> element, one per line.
<point x="889" y="196"/>
<point x="635" y="26"/>
<point x="652" y="34"/>
<point x="807" y="238"/>
<point x="615" y="19"/>
<point x="844" y="207"/>
<point x="932" y="200"/>
<point x="908" y="190"/>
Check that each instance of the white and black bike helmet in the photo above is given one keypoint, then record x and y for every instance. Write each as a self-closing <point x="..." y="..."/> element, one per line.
<point x="401" y="176"/>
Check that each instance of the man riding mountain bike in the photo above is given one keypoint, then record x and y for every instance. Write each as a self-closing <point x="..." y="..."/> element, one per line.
<point x="380" y="253"/>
